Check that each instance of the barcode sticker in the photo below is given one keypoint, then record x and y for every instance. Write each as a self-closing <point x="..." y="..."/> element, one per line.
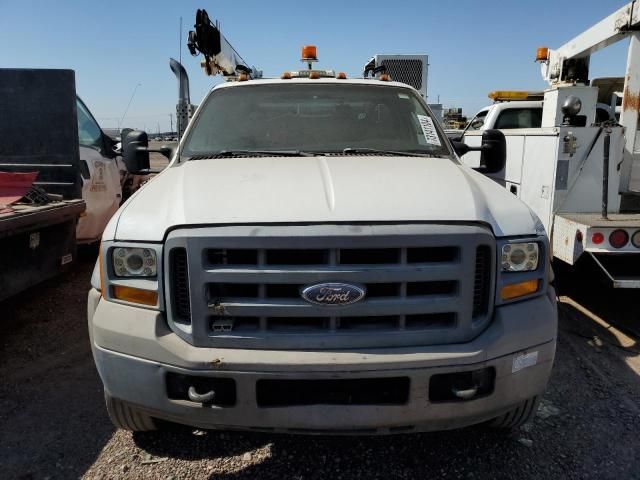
<point x="524" y="360"/>
<point x="429" y="130"/>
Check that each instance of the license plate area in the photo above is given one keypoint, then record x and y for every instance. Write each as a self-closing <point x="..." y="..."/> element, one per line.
<point x="357" y="391"/>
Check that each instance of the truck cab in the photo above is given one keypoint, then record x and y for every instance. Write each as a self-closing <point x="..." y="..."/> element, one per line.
<point x="507" y="115"/>
<point x="316" y="259"/>
<point x="102" y="174"/>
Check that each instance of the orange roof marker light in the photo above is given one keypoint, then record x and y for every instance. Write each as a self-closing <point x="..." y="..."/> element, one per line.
<point x="285" y="76"/>
<point x="385" y="77"/>
<point x="542" y="54"/>
<point x="341" y="76"/>
<point x="309" y="52"/>
<point x="309" y="55"/>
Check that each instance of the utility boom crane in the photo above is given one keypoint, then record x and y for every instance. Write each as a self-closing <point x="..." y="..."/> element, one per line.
<point x="219" y="56"/>
<point x="569" y="65"/>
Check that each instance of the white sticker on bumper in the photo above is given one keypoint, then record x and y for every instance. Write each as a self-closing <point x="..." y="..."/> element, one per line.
<point x="524" y="360"/>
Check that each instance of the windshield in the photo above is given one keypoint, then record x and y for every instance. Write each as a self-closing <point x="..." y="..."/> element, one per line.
<point x="314" y="118"/>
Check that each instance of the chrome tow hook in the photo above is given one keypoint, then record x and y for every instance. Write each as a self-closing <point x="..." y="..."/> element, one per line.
<point x="464" y="393"/>
<point x="203" y="398"/>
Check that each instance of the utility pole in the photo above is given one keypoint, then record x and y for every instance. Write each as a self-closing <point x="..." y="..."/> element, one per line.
<point x="171" y="122"/>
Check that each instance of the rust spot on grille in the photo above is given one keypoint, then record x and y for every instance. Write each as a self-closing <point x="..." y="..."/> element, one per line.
<point x="216" y="363"/>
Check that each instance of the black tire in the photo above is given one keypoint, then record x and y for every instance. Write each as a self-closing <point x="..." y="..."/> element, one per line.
<point x="518" y="416"/>
<point x="127" y="417"/>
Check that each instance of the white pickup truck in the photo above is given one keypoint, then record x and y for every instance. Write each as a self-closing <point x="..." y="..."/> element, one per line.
<point x="316" y="259"/>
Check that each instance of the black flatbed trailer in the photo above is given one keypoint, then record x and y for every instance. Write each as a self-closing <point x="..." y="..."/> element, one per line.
<point x="36" y="243"/>
<point x="39" y="133"/>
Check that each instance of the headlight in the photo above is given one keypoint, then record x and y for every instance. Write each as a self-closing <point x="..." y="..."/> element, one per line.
<point x="520" y="257"/>
<point x="134" y="262"/>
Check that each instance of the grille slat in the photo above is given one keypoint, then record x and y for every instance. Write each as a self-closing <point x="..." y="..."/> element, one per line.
<point x="367" y="274"/>
<point x="220" y="293"/>
<point x="299" y="307"/>
<point x="344" y="256"/>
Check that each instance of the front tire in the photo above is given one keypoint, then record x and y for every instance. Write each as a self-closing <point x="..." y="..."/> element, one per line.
<point x="127" y="417"/>
<point x="518" y="416"/>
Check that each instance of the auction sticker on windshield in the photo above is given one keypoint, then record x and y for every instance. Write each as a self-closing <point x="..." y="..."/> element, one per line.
<point x="429" y="130"/>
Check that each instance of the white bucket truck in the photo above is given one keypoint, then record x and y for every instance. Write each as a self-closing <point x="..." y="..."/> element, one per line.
<point x="315" y="259"/>
<point x="572" y="150"/>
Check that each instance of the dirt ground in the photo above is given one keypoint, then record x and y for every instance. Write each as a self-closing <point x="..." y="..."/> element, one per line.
<point x="53" y="423"/>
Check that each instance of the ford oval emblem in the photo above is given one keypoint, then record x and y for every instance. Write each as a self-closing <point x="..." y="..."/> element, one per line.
<point x="333" y="294"/>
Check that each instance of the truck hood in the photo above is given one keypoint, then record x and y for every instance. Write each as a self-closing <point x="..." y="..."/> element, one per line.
<point x="317" y="189"/>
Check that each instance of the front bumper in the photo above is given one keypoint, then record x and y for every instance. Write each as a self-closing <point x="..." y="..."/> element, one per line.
<point x="134" y="350"/>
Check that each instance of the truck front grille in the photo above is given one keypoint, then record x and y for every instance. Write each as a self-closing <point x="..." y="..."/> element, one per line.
<point x="240" y="287"/>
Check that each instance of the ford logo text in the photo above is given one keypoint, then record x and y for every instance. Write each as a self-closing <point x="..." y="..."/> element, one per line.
<point x="333" y="294"/>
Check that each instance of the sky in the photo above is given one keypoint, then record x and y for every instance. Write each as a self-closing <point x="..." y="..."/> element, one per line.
<point x="474" y="47"/>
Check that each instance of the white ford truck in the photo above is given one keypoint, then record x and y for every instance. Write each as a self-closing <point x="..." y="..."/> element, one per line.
<point x="316" y="259"/>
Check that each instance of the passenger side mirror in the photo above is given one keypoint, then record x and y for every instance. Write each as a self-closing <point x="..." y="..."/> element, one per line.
<point x="135" y="152"/>
<point x="493" y="151"/>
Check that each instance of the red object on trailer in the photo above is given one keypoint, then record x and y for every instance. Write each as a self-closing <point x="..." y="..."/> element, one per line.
<point x="14" y="186"/>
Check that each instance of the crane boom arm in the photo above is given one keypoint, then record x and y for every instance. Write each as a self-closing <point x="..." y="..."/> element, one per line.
<point x="617" y="26"/>
<point x="219" y="56"/>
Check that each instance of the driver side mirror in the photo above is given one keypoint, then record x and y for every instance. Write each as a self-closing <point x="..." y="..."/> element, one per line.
<point x="135" y="152"/>
<point x="493" y="151"/>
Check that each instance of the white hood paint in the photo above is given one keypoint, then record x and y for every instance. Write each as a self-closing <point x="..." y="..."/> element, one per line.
<point x="317" y="189"/>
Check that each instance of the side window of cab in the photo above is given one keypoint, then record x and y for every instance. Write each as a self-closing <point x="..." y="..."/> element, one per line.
<point x="519" y="118"/>
<point x="89" y="133"/>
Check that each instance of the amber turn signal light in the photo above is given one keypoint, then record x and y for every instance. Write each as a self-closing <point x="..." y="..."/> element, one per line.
<point x="515" y="290"/>
<point x="135" y="295"/>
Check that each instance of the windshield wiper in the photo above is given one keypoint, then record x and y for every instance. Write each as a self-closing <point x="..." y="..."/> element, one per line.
<point x="252" y="153"/>
<point x="404" y="153"/>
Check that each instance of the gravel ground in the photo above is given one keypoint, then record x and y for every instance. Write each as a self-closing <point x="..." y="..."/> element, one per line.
<point x="53" y="423"/>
